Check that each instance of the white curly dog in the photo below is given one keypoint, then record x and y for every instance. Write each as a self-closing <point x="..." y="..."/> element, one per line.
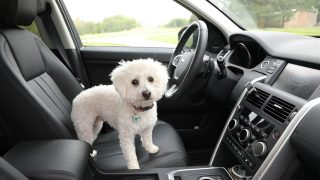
<point x="129" y="106"/>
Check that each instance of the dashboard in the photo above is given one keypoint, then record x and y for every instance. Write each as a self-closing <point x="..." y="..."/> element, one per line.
<point x="290" y="62"/>
<point x="265" y="112"/>
<point x="298" y="80"/>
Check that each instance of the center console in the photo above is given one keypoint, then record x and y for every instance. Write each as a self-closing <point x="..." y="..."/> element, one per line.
<point x="258" y="120"/>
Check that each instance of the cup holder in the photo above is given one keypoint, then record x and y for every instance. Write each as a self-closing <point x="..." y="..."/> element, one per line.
<point x="239" y="172"/>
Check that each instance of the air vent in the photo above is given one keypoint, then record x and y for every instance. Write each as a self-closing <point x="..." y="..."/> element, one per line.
<point x="278" y="109"/>
<point x="257" y="98"/>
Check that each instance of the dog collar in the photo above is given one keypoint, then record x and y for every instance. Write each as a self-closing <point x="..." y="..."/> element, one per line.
<point x="142" y="109"/>
<point x="136" y="117"/>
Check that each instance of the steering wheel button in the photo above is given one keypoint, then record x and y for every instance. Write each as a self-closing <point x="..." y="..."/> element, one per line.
<point x="176" y="60"/>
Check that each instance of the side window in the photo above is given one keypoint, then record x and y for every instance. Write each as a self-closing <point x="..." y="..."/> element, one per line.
<point x="140" y="23"/>
<point x="32" y="28"/>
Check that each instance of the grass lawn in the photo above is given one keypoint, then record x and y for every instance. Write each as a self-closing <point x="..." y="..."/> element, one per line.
<point x="166" y="35"/>
<point x="171" y="38"/>
<point x="93" y="43"/>
<point x="132" y="32"/>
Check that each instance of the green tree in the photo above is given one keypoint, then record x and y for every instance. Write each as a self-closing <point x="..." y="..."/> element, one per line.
<point x="270" y="9"/>
<point x="118" y="23"/>
<point x="86" y="27"/>
<point x="177" y="22"/>
<point x="109" y="24"/>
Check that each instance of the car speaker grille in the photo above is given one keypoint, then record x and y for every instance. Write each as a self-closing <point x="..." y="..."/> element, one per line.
<point x="257" y="98"/>
<point x="278" y="109"/>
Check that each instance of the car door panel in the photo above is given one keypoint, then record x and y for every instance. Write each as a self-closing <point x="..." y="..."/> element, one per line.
<point x="100" y="61"/>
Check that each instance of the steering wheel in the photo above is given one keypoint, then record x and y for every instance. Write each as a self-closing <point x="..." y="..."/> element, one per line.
<point x="185" y="64"/>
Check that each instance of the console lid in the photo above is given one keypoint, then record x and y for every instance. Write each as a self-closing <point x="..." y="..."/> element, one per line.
<point x="50" y="159"/>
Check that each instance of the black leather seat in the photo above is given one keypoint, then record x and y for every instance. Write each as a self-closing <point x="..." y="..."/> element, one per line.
<point x="37" y="90"/>
<point x="7" y="171"/>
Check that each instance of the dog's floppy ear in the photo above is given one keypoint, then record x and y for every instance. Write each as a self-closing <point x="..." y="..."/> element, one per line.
<point x="119" y="79"/>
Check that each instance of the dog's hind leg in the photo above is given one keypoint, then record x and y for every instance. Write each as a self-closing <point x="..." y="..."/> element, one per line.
<point x="86" y="134"/>
<point x="97" y="126"/>
<point x="147" y="143"/>
<point x="83" y="124"/>
<point x="128" y="149"/>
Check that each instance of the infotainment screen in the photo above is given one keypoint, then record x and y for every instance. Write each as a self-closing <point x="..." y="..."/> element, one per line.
<point x="298" y="80"/>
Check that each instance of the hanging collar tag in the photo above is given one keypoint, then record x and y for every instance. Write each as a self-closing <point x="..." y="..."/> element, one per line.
<point x="136" y="118"/>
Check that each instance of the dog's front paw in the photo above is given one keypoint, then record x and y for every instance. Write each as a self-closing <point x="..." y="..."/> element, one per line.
<point x="133" y="166"/>
<point x="93" y="153"/>
<point x="152" y="149"/>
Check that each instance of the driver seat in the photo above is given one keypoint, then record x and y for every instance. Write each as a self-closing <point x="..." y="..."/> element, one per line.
<point x="37" y="90"/>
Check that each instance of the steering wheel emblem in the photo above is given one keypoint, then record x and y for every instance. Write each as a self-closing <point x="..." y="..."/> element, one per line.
<point x="182" y="60"/>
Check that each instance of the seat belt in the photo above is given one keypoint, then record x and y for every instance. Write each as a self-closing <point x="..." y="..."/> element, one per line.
<point x="56" y="41"/>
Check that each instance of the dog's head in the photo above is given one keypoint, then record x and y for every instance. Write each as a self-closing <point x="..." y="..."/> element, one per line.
<point x="140" y="82"/>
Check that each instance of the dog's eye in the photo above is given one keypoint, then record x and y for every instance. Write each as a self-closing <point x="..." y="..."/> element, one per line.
<point x="135" y="82"/>
<point x="150" y="79"/>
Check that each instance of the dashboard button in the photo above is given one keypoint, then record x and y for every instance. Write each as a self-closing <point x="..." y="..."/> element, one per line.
<point x="276" y="134"/>
<point x="264" y="64"/>
<point x="263" y="134"/>
<point x="271" y="69"/>
<point x="254" y="138"/>
<point x="258" y="130"/>
<point x="276" y="62"/>
<point x="233" y="124"/>
<point x="244" y="135"/>
<point x="259" y="149"/>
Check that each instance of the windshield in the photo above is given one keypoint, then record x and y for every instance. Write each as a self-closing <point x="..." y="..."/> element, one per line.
<point x="295" y="16"/>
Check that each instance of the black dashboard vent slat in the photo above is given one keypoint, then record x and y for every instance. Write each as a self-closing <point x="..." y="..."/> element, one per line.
<point x="278" y="109"/>
<point x="257" y="98"/>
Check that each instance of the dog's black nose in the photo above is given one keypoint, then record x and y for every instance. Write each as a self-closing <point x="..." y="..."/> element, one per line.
<point x="146" y="94"/>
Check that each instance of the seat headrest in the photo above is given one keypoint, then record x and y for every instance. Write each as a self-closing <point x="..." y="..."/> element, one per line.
<point x="17" y="12"/>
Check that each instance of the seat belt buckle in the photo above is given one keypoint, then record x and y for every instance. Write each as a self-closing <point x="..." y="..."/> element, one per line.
<point x="81" y="84"/>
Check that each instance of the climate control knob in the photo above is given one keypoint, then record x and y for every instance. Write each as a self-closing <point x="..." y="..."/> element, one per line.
<point x="259" y="149"/>
<point x="233" y="124"/>
<point x="244" y="135"/>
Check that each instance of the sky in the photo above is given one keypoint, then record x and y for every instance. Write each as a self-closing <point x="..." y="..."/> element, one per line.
<point x="147" y="12"/>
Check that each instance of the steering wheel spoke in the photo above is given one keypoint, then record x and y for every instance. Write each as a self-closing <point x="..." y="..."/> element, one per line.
<point x="171" y="91"/>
